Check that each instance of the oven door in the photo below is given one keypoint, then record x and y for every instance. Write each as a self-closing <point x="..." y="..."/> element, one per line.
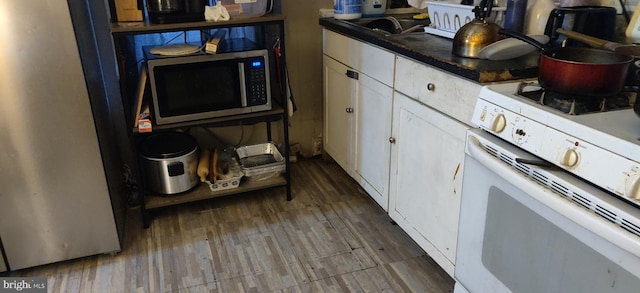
<point x="517" y="235"/>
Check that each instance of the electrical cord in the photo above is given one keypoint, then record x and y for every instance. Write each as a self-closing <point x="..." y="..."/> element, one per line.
<point x="241" y="136"/>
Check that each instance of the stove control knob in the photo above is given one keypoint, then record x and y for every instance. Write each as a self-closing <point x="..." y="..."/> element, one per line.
<point x="499" y="123"/>
<point x="632" y="186"/>
<point x="570" y="158"/>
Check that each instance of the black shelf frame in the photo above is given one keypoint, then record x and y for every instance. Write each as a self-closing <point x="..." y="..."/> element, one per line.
<point x="149" y="201"/>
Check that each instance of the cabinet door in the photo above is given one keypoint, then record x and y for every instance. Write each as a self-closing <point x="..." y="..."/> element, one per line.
<point x="373" y="129"/>
<point x="339" y="92"/>
<point x="426" y="177"/>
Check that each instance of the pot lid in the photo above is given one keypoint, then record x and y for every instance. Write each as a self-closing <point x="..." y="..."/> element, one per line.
<point x="167" y="145"/>
<point x="510" y="48"/>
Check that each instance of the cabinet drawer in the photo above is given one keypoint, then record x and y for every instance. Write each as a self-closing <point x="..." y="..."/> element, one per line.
<point x="445" y="92"/>
<point x="371" y="60"/>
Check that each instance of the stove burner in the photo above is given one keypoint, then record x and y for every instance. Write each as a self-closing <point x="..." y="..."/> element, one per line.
<point x="572" y="104"/>
<point x="567" y="105"/>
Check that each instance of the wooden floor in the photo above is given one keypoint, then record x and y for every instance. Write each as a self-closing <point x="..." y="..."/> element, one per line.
<point x="329" y="238"/>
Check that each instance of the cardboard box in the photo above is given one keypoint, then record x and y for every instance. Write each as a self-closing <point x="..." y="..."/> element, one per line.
<point x="127" y="10"/>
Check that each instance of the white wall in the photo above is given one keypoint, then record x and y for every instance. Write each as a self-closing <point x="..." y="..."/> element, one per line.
<point x="303" y="41"/>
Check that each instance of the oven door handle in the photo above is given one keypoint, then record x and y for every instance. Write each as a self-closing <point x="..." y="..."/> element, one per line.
<point x="535" y="162"/>
<point x="550" y="199"/>
<point x="476" y="150"/>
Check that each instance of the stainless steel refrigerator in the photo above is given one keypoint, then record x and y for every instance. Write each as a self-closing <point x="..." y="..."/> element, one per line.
<point x="61" y="151"/>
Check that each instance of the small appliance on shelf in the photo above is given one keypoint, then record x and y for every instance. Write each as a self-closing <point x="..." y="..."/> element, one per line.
<point x="205" y="86"/>
<point x="173" y="11"/>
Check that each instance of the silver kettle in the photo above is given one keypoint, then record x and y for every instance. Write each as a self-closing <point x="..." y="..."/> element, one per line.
<point x="477" y="34"/>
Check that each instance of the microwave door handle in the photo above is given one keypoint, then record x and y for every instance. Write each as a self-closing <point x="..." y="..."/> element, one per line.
<point x="243" y="85"/>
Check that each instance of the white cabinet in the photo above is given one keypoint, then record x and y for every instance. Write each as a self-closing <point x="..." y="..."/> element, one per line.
<point x="368" y="59"/>
<point x="438" y="89"/>
<point x="339" y="94"/>
<point x="357" y="111"/>
<point x="431" y="111"/>
<point x="372" y="98"/>
<point x="373" y="129"/>
<point x="426" y="177"/>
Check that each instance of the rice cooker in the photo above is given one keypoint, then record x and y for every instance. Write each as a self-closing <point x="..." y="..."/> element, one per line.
<point x="169" y="162"/>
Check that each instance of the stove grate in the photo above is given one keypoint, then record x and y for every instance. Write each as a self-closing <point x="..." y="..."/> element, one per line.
<point x="573" y="104"/>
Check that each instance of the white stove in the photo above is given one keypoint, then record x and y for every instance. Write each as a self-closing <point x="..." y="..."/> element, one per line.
<point x="550" y="201"/>
<point x="603" y="148"/>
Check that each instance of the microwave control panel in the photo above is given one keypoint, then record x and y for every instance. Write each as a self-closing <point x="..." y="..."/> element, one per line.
<point x="257" y="89"/>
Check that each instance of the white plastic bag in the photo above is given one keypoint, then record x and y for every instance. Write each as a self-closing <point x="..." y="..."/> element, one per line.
<point x="216" y="13"/>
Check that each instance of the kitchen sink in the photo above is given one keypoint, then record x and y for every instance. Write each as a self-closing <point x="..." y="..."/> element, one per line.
<point x="391" y="25"/>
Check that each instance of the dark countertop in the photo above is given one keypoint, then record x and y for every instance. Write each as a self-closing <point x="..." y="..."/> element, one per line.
<point x="436" y="51"/>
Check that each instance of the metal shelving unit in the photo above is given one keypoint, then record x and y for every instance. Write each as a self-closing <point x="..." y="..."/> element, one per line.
<point x="269" y="27"/>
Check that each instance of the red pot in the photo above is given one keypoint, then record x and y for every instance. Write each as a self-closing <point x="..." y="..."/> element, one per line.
<point x="579" y="71"/>
<point x="583" y="71"/>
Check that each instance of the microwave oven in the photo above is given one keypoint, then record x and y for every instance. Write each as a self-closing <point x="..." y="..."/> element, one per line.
<point x="202" y="86"/>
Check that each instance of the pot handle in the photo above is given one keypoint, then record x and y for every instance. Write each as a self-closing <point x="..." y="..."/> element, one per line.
<point x="522" y="37"/>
